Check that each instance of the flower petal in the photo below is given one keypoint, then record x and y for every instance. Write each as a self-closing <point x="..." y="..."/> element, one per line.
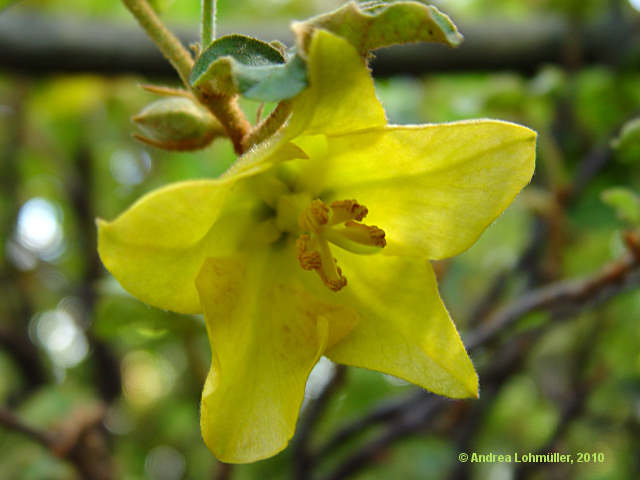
<point x="156" y="248"/>
<point x="432" y="188"/>
<point x="341" y="97"/>
<point x="404" y="328"/>
<point x="179" y="214"/>
<point x="266" y="335"/>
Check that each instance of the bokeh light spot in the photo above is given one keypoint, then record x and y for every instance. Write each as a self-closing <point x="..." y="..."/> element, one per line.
<point x="57" y="331"/>
<point x="129" y="168"/>
<point x="146" y="377"/>
<point x="39" y="228"/>
<point x="164" y="463"/>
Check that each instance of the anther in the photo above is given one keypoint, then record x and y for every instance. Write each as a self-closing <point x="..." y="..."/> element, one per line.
<point x="314" y="254"/>
<point x="309" y="259"/>
<point x="344" y="210"/>
<point x="315" y="216"/>
<point x="365" y="234"/>
<point x="338" y="225"/>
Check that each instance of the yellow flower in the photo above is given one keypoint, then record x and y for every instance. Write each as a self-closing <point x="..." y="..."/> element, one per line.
<point x="318" y="242"/>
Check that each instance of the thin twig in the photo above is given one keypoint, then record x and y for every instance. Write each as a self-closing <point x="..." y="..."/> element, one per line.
<point x="11" y="422"/>
<point x="508" y="361"/>
<point x="269" y="126"/>
<point x="166" y="41"/>
<point x="412" y="422"/>
<point x="569" y="294"/>
<point x="386" y="411"/>
<point x="79" y="439"/>
<point x="578" y="395"/>
<point x="303" y="461"/>
<point x="526" y="264"/>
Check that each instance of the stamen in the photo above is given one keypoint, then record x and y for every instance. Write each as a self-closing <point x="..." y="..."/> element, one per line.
<point x="314" y="254"/>
<point x="365" y="234"/>
<point x="344" y="210"/>
<point x="329" y="271"/>
<point x="321" y="226"/>
<point x="309" y="259"/>
<point x="315" y="216"/>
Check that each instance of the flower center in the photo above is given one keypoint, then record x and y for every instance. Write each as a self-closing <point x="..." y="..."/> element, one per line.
<point x="338" y="223"/>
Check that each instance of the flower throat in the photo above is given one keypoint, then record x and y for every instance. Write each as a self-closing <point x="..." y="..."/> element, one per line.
<point x="319" y="224"/>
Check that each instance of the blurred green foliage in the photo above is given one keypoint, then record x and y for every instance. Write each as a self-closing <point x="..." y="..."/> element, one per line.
<point x="47" y="123"/>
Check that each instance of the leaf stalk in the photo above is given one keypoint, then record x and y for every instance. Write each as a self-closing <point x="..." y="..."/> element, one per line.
<point x="208" y="24"/>
<point x="166" y="41"/>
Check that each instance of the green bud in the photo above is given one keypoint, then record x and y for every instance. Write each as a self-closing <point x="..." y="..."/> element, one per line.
<point x="177" y="123"/>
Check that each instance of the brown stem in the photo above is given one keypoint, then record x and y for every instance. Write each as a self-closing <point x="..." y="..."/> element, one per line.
<point x="269" y="126"/>
<point x="229" y="114"/>
<point x="9" y="421"/>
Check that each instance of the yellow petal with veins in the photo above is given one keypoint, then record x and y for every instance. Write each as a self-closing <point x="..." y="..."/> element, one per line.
<point x="433" y="188"/>
<point x="404" y="328"/>
<point x="266" y="335"/>
<point x="156" y="248"/>
<point x="341" y="97"/>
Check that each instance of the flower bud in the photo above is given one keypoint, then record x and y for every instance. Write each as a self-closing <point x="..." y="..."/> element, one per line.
<point x="177" y="123"/>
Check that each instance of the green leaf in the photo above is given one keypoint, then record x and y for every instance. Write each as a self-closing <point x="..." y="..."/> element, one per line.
<point x="276" y="83"/>
<point x="257" y="70"/>
<point x="627" y="145"/>
<point x="377" y="24"/>
<point x="625" y="202"/>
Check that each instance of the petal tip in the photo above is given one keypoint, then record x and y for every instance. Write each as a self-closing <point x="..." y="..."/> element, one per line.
<point x="101" y="224"/>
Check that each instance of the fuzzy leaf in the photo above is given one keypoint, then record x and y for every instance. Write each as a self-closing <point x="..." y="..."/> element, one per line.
<point x="377" y="24"/>
<point x="625" y="202"/>
<point x="257" y="70"/>
<point x="627" y="144"/>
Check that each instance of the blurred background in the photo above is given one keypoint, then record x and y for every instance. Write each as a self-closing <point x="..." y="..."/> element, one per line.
<point x="95" y="384"/>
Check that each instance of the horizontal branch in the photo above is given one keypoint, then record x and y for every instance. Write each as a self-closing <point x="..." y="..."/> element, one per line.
<point x="11" y="422"/>
<point x="410" y="423"/>
<point x="564" y="297"/>
<point x="386" y="411"/>
<point x="79" y="439"/>
<point x="39" y="44"/>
